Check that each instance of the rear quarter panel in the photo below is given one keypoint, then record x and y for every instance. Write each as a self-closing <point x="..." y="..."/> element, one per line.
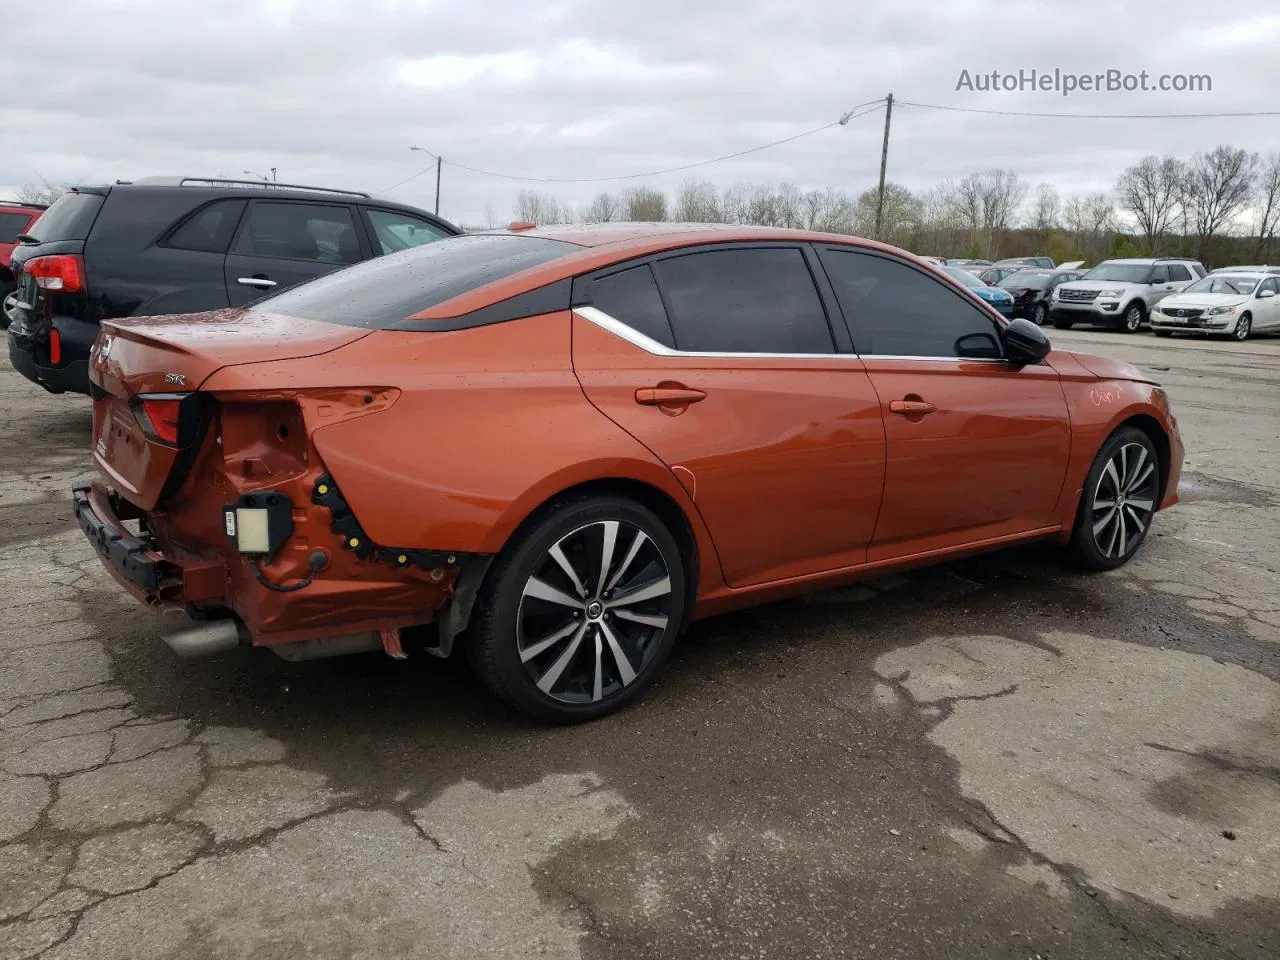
<point x="1099" y="405"/>
<point x="490" y="423"/>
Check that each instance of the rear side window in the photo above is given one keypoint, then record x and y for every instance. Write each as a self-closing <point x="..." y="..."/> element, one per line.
<point x="632" y="297"/>
<point x="744" y="301"/>
<point x="70" y="218"/>
<point x="209" y="229"/>
<point x="385" y="290"/>
<point x="12" y="224"/>
<point x="299" y="231"/>
<point x="394" y="232"/>
<point x="896" y="310"/>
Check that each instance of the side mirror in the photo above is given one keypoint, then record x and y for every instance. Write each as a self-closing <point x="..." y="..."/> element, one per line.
<point x="1266" y="293"/>
<point x="1025" y="343"/>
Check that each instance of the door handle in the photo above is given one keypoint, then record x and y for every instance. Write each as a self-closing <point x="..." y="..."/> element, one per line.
<point x="911" y="408"/>
<point x="260" y="282"/>
<point x="668" y="396"/>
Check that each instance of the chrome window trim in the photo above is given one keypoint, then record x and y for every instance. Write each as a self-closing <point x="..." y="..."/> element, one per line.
<point x="619" y="329"/>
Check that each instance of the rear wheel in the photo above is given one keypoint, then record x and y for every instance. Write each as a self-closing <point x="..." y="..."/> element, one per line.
<point x="1119" y="501"/>
<point x="1061" y="323"/>
<point x="581" y="610"/>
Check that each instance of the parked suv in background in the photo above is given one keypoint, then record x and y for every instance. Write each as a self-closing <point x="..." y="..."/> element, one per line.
<point x="1121" y="293"/>
<point x="16" y="219"/>
<point x="1045" y="262"/>
<point x="169" y="245"/>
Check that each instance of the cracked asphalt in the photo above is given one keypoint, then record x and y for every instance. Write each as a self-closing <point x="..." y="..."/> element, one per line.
<point x="995" y="758"/>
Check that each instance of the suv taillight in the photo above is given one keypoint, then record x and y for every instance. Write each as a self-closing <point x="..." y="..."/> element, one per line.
<point x="57" y="273"/>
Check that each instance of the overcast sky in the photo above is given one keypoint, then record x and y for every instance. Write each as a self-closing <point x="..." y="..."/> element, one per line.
<point x="335" y="92"/>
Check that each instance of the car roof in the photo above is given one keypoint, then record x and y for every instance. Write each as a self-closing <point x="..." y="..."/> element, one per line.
<point x="644" y="234"/>
<point x="227" y="187"/>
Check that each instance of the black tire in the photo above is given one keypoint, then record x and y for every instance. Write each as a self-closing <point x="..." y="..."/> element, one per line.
<point x="1118" y="504"/>
<point x="1040" y="315"/>
<point x="528" y="673"/>
<point x="1244" y="327"/>
<point x="1162" y="333"/>
<point x="1132" y="319"/>
<point x="7" y="286"/>
<point x="1061" y="323"/>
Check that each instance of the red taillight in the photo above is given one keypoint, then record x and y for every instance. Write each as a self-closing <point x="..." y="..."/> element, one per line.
<point x="55" y="347"/>
<point x="159" y="419"/>
<point x="57" y="273"/>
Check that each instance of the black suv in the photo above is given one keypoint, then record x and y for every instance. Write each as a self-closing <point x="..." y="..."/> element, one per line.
<point x="167" y="245"/>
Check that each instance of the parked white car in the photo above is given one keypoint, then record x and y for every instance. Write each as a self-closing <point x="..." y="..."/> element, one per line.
<point x="1121" y="293"/>
<point x="1230" y="304"/>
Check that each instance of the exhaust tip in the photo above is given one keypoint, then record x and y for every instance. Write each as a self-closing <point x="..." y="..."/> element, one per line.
<point x="193" y="639"/>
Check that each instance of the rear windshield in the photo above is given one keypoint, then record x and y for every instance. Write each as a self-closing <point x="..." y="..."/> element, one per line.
<point x="70" y="218"/>
<point x="12" y="224"/>
<point x="384" y="290"/>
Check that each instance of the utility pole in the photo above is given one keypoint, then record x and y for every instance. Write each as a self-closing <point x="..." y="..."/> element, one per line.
<point x="439" y="162"/>
<point x="884" y="159"/>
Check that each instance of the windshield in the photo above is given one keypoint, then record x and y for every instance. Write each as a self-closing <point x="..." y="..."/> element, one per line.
<point x="965" y="277"/>
<point x="1121" y="272"/>
<point x="385" y="290"/>
<point x="1241" y="286"/>
<point x="1028" y="280"/>
<point x="70" y="218"/>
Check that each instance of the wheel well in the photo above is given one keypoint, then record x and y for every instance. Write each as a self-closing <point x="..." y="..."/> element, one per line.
<point x="667" y="510"/>
<point x="1139" y="303"/>
<point x="1151" y="427"/>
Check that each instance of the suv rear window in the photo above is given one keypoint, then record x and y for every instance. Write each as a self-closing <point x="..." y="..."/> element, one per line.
<point x="380" y="292"/>
<point x="70" y="217"/>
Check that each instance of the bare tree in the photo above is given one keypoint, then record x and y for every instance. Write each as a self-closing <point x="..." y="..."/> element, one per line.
<point x="1152" y="190"/>
<point x="1219" y="185"/>
<point x="45" y="194"/>
<point x="735" y="203"/>
<point x="603" y="208"/>
<point x="901" y="219"/>
<point x="1092" y="219"/>
<point x="986" y="203"/>
<point x="698" y="201"/>
<point x="645" y="204"/>
<point x="539" y="208"/>
<point x="1268" y="205"/>
<point x="1045" y="208"/>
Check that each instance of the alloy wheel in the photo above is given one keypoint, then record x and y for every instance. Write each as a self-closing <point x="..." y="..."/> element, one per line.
<point x="1133" y="318"/>
<point x="593" y="612"/>
<point x="1124" y="501"/>
<point x="1041" y="315"/>
<point x="1243" y="328"/>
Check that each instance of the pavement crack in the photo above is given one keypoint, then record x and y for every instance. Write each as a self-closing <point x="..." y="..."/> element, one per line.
<point x="1223" y="762"/>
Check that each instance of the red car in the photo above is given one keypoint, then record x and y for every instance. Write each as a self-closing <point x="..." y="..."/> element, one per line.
<point x="559" y="446"/>
<point x="15" y="219"/>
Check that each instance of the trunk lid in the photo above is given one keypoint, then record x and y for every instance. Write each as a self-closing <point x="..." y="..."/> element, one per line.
<point x="150" y="420"/>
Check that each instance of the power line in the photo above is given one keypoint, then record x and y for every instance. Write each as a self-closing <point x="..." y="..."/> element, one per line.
<point x="1091" y="116"/>
<point x="860" y="110"/>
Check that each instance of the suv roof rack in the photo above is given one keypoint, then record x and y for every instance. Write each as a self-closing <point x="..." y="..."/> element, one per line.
<point x="227" y="182"/>
<point x="24" y="203"/>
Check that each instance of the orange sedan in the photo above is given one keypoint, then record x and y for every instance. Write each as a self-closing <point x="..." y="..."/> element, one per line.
<point x="556" y="447"/>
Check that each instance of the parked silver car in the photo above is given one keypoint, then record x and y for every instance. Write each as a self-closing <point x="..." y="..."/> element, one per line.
<point x="1121" y="293"/>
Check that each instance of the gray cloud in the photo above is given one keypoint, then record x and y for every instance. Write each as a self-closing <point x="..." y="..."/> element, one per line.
<point x="335" y="91"/>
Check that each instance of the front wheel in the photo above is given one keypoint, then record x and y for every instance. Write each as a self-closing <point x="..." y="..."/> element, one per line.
<point x="1244" y="327"/>
<point x="1040" y="316"/>
<point x="581" y="610"/>
<point x="1162" y="333"/>
<point x="1119" y="501"/>
<point x="1131" y="322"/>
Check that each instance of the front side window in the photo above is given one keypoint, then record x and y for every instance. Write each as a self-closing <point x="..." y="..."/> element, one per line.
<point x="1272" y="285"/>
<point x="1178" y="273"/>
<point x="400" y="231"/>
<point x="299" y="231"/>
<point x="1160" y="274"/>
<point x="744" y="301"/>
<point x="896" y="310"/>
